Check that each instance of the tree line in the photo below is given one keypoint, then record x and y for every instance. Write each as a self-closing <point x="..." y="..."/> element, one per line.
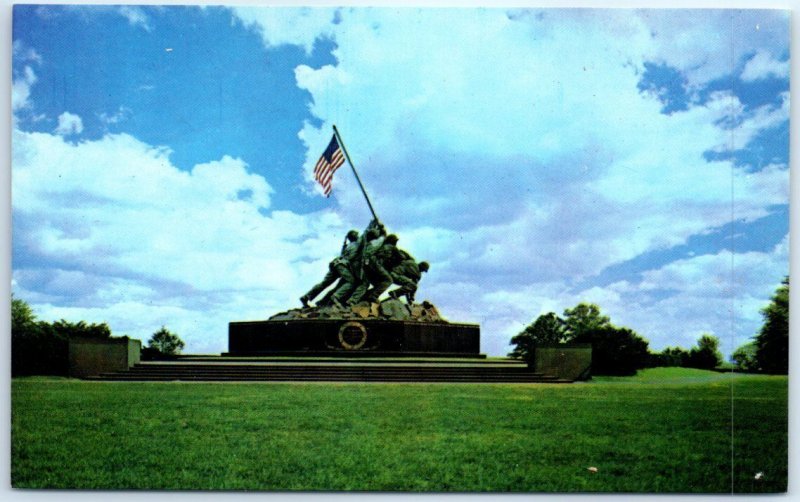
<point x="42" y="348"/>
<point x="621" y="351"/>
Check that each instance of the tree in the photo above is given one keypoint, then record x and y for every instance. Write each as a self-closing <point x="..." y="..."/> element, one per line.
<point x="615" y="351"/>
<point x="706" y="355"/>
<point x="670" y="356"/>
<point x="81" y="329"/>
<point x="165" y="342"/>
<point x="745" y="357"/>
<point x="42" y="348"/>
<point x="583" y="319"/>
<point x="547" y="329"/>
<point x="772" y="342"/>
<point x="36" y="348"/>
<point x="22" y="316"/>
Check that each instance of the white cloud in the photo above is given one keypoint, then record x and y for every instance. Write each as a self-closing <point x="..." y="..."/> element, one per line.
<point x="122" y="113"/>
<point x="299" y="26"/>
<point x="135" y="16"/>
<point x="564" y="108"/>
<point x="718" y="293"/>
<point x="515" y="156"/>
<point x="512" y="152"/>
<point x="670" y="306"/>
<point x="21" y="89"/>
<point x="69" y="124"/>
<point x="709" y="44"/>
<point x="156" y="245"/>
<point x="24" y="53"/>
<point x="762" y="65"/>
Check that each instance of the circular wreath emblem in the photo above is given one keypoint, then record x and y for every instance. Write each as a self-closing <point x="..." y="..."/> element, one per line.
<point x="352" y="335"/>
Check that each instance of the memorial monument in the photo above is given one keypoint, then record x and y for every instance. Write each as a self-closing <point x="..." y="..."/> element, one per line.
<point x="354" y="318"/>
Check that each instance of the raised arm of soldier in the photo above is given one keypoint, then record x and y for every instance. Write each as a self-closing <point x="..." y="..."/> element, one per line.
<point x="374" y="230"/>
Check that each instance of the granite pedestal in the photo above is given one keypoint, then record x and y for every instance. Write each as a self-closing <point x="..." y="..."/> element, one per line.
<point x="353" y="338"/>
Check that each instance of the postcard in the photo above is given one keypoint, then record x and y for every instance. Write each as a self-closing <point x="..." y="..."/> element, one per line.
<point x="400" y="249"/>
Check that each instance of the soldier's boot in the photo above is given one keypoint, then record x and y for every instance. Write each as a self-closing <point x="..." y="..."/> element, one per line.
<point x="393" y="294"/>
<point x="325" y="301"/>
<point x="304" y="301"/>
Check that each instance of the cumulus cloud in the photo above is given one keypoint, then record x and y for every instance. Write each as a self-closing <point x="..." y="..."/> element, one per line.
<point x="21" y="89"/>
<point x="762" y="65"/>
<point x="135" y="16"/>
<point x="518" y="167"/>
<point x="301" y="26"/>
<point x="22" y="52"/>
<point x="69" y="124"/>
<point x="144" y="243"/>
<point x="537" y="119"/>
<point x="532" y="162"/>
<point x="709" y="44"/>
<point x="672" y="305"/>
<point x="722" y="293"/>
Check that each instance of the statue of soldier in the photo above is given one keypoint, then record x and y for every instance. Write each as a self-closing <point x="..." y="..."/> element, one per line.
<point x="380" y="256"/>
<point x="338" y="268"/>
<point x="354" y="254"/>
<point x="407" y="275"/>
<point x="348" y="267"/>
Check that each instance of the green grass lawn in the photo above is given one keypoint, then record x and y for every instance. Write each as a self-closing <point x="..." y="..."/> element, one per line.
<point x="665" y="430"/>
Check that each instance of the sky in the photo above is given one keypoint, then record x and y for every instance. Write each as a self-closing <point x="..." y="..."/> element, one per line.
<point x="162" y="162"/>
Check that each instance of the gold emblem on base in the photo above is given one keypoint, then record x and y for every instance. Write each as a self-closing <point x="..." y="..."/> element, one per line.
<point x="352" y="335"/>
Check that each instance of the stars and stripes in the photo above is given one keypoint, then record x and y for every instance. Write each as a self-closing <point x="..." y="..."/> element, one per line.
<point x="332" y="158"/>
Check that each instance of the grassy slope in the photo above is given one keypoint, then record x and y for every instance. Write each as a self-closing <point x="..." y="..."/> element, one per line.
<point x="663" y="430"/>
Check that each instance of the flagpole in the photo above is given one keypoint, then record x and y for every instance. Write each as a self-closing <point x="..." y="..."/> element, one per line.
<point x="341" y="143"/>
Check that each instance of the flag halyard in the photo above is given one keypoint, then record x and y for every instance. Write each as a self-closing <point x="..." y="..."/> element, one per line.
<point x="332" y="158"/>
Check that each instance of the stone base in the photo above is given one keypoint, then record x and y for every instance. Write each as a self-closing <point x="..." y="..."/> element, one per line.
<point x="365" y="337"/>
<point x="93" y="356"/>
<point x="571" y="361"/>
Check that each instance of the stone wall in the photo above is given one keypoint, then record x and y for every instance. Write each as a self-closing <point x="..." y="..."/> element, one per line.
<point x="91" y="356"/>
<point x="570" y="362"/>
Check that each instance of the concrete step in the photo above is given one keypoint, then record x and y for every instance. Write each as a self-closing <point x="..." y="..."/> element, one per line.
<point x="328" y="371"/>
<point x="321" y="378"/>
<point x="315" y="371"/>
<point x="312" y="369"/>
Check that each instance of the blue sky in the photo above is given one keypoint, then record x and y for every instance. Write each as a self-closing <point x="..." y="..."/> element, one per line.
<point x="162" y="158"/>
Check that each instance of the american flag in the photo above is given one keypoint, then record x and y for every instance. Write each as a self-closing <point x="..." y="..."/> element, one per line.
<point x="331" y="159"/>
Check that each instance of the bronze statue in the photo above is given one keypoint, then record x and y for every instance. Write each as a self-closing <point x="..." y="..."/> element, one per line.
<point x="338" y="268"/>
<point x="380" y="256"/>
<point x="366" y="267"/>
<point x="407" y="275"/>
<point x="347" y="268"/>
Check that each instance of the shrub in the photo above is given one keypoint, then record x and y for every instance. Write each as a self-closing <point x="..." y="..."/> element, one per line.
<point x="706" y="355"/>
<point x="81" y="329"/>
<point x="42" y="348"/>
<point x="670" y="356"/>
<point x="615" y="351"/>
<point x="165" y="342"/>
<point x="745" y="357"/>
<point x="547" y="329"/>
